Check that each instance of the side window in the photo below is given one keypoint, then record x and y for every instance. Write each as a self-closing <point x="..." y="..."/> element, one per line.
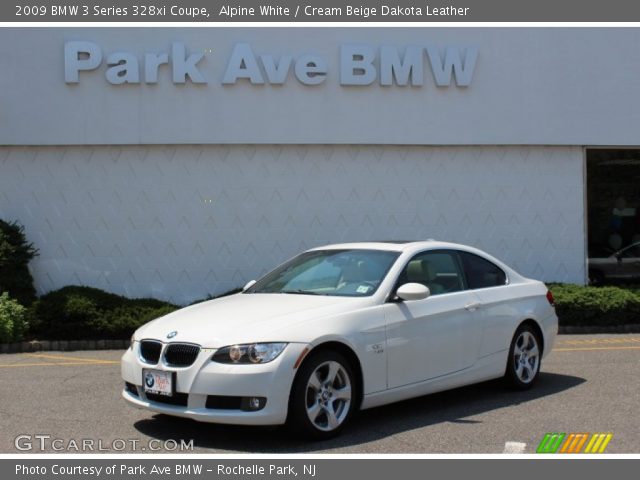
<point x="481" y="273"/>
<point x="437" y="270"/>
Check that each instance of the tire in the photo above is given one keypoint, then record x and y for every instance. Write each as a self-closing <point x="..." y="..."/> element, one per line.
<point x="323" y="396"/>
<point x="525" y="355"/>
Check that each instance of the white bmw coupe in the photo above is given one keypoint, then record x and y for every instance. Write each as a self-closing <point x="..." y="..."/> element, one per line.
<point x="341" y="328"/>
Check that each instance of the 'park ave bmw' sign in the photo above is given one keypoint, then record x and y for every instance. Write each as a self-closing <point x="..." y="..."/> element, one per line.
<point x="359" y="65"/>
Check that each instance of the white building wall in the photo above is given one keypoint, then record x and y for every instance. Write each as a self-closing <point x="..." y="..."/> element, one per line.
<point x="530" y="86"/>
<point x="181" y="222"/>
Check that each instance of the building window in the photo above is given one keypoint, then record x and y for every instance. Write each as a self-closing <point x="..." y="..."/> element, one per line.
<point x="613" y="213"/>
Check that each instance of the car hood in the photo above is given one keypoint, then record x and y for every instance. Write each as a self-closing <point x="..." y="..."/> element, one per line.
<point x="248" y="317"/>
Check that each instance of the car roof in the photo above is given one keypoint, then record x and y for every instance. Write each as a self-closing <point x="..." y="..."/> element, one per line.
<point x="393" y="245"/>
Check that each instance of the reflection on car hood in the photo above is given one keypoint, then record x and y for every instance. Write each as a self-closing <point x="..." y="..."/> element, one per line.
<point x="247" y="317"/>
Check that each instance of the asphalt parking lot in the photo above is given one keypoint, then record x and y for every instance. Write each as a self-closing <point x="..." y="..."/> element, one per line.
<point x="590" y="383"/>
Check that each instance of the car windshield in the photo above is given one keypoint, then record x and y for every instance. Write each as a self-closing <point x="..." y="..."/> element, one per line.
<point x="346" y="273"/>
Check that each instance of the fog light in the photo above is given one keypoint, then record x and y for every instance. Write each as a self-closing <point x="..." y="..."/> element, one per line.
<point x="253" y="403"/>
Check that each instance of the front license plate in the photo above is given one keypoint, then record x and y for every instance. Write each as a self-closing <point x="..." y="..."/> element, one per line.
<point x="157" y="381"/>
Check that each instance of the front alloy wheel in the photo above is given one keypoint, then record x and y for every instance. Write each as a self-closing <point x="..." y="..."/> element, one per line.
<point x="323" y="396"/>
<point x="524" y="358"/>
<point x="328" y="396"/>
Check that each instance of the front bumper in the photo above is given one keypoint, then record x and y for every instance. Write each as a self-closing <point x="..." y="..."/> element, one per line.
<point x="203" y="378"/>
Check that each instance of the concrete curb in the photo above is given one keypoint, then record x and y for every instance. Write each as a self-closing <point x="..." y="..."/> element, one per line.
<point x="572" y="330"/>
<point x="63" y="345"/>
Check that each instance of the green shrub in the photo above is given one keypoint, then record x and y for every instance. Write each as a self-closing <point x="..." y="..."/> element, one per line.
<point x="15" y="255"/>
<point x="577" y="305"/>
<point x="149" y="315"/>
<point x="13" y="323"/>
<point x="88" y="313"/>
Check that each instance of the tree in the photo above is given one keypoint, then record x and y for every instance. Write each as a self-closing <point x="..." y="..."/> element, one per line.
<point x="15" y="255"/>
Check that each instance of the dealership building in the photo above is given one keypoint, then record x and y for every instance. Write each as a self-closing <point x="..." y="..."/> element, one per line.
<point x="181" y="162"/>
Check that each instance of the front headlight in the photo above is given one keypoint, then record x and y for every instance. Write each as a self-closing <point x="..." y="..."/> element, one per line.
<point x="249" y="353"/>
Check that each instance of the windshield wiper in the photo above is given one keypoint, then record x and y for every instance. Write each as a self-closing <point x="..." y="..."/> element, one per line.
<point x="301" y="292"/>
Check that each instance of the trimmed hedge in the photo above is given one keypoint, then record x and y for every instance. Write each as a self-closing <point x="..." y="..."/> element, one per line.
<point x="577" y="305"/>
<point x="13" y="319"/>
<point x="84" y="313"/>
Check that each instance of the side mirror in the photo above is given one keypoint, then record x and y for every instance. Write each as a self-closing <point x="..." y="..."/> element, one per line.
<point x="249" y="284"/>
<point x="413" y="291"/>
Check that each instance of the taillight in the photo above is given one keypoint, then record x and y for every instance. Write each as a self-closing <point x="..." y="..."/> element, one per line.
<point x="552" y="302"/>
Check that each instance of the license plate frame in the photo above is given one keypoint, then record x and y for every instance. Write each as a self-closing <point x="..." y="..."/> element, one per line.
<point x="158" y="382"/>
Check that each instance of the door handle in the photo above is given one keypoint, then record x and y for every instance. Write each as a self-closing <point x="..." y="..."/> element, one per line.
<point x="473" y="306"/>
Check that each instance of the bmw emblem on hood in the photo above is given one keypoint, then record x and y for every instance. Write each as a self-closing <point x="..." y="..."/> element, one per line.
<point x="172" y="334"/>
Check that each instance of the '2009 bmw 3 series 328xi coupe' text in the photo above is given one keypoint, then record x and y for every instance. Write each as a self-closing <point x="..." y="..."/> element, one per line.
<point x="341" y="328"/>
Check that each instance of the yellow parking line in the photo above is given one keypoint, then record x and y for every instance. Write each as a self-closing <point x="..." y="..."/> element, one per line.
<point x="593" y="348"/>
<point x="45" y="364"/>
<point x="64" y="357"/>
<point x="598" y="341"/>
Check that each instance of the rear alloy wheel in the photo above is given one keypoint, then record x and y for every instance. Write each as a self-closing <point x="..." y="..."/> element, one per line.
<point x="323" y="396"/>
<point x="523" y="365"/>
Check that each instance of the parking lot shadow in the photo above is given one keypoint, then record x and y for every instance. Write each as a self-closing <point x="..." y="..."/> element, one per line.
<point x="369" y="425"/>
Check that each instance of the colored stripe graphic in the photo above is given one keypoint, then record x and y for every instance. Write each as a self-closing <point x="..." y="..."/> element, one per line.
<point x="598" y="443"/>
<point x="581" y="442"/>
<point x="550" y="443"/>
<point x="574" y="443"/>
<point x="555" y="442"/>
<point x="569" y="443"/>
